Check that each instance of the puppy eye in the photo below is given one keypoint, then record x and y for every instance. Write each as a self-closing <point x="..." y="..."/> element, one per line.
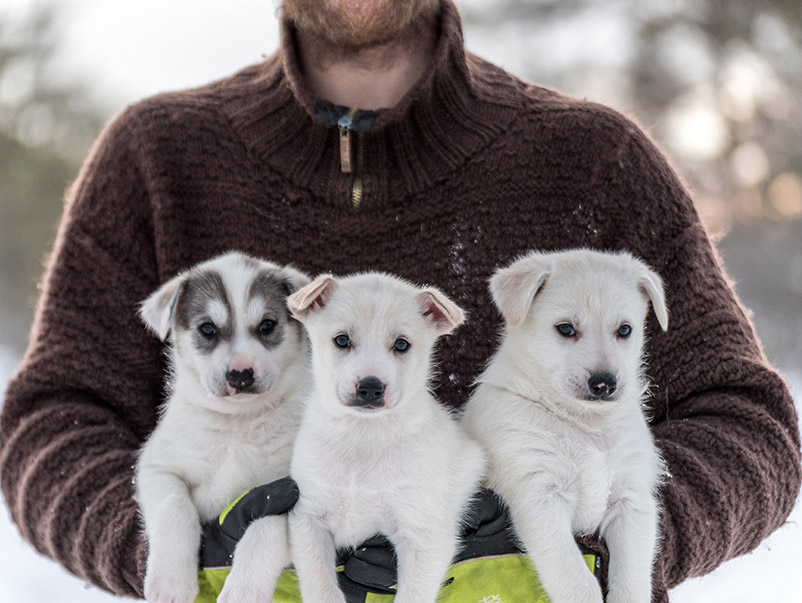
<point x="267" y="327"/>
<point x="401" y="345"/>
<point x="624" y="331"/>
<point x="342" y="341"/>
<point x="566" y="329"/>
<point x="208" y="330"/>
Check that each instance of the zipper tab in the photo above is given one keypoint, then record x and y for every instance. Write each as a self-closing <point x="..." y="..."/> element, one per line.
<point x="358" y="188"/>
<point x="346" y="150"/>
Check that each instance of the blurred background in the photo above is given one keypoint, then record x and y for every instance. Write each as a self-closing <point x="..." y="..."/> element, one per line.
<point x="717" y="85"/>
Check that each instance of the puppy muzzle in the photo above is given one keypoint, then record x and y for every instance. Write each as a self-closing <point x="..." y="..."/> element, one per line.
<point x="239" y="381"/>
<point x="602" y="386"/>
<point x="368" y="394"/>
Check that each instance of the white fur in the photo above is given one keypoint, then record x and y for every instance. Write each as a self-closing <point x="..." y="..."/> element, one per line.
<point x="405" y="469"/>
<point x="565" y="462"/>
<point x="211" y="443"/>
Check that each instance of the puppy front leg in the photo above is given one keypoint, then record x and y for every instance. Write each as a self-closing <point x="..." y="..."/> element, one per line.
<point x="173" y="531"/>
<point x="423" y="560"/>
<point x="260" y="556"/>
<point x="545" y="531"/>
<point x="315" y="558"/>
<point x="630" y="530"/>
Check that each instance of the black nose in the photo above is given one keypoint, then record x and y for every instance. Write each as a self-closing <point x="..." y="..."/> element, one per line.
<point x="602" y="385"/>
<point x="369" y="393"/>
<point x="240" y="379"/>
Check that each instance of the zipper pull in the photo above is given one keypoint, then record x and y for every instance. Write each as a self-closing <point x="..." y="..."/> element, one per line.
<point x="346" y="150"/>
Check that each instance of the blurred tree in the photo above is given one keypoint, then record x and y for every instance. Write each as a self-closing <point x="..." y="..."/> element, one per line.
<point x="718" y="85"/>
<point x="45" y="129"/>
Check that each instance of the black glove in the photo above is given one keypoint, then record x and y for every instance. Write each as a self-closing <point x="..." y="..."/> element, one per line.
<point x="372" y="566"/>
<point x="487" y="532"/>
<point x="220" y="536"/>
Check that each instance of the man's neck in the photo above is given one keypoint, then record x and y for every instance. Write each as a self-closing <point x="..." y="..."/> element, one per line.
<point x="375" y="77"/>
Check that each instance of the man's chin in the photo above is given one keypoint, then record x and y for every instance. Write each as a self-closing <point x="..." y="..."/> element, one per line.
<point x="358" y="24"/>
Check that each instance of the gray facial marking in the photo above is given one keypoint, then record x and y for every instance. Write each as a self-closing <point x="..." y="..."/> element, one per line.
<point x="192" y="309"/>
<point x="272" y="290"/>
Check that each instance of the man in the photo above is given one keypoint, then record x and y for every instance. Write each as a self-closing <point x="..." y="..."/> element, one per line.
<point x="373" y="140"/>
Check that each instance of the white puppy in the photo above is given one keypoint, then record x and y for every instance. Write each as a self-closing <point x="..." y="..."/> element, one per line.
<point x="559" y="411"/>
<point x="376" y="453"/>
<point x="238" y="365"/>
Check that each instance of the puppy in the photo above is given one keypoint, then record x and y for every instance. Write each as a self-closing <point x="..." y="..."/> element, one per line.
<point x="558" y="409"/>
<point x="376" y="453"/>
<point x="238" y="365"/>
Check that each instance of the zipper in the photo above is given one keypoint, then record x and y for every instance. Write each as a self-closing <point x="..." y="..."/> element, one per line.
<point x="345" y="124"/>
<point x="358" y="188"/>
<point x="352" y="155"/>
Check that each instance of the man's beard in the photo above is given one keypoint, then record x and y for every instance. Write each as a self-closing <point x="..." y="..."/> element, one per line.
<point x="358" y="24"/>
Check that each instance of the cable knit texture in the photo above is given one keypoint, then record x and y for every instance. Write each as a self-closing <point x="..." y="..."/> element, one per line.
<point x="473" y="168"/>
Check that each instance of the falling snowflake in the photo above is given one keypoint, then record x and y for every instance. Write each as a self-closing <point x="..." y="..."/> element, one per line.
<point x="491" y="599"/>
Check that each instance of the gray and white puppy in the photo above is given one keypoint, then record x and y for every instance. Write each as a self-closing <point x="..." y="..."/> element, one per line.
<point x="238" y="369"/>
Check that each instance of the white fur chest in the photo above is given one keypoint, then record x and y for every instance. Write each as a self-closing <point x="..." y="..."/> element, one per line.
<point x="351" y="488"/>
<point x="387" y="475"/>
<point x="589" y="463"/>
<point x="536" y="455"/>
<point x="241" y="463"/>
<point x="221" y="457"/>
<point x="358" y="503"/>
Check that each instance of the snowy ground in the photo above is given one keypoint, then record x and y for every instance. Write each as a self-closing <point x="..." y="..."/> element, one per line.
<point x="771" y="573"/>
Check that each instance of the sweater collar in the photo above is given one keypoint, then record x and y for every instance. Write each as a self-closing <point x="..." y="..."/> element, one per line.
<point x="441" y="122"/>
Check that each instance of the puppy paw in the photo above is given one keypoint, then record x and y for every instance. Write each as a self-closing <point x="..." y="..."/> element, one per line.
<point x="587" y="591"/>
<point x="162" y="587"/>
<point x="240" y="591"/>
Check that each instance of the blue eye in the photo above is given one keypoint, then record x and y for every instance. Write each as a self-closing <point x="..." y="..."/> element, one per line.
<point x="566" y="329"/>
<point x="624" y="331"/>
<point x="267" y="327"/>
<point x="342" y="341"/>
<point x="401" y="345"/>
<point x="208" y="330"/>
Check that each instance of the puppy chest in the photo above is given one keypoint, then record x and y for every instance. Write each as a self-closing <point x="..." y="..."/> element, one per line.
<point x="354" y="505"/>
<point x="236" y="469"/>
<point x="593" y="488"/>
<point x="580" y="476"/>
<point x="355" y="516"/>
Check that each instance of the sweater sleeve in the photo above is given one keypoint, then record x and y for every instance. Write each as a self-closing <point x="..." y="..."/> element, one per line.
<point x="722" y="417"/>
<point x="85" y="395"/>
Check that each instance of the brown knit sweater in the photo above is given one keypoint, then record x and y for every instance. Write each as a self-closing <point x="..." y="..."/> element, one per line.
<point x="471" y="169"/>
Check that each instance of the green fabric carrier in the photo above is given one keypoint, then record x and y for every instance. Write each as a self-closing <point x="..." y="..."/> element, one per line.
<point x="498" y="579"/>
<point x="211" y="583"/>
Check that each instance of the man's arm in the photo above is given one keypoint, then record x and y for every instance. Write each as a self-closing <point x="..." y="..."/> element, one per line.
<point x="724" y="420"/>
<point x="85" y="396"/>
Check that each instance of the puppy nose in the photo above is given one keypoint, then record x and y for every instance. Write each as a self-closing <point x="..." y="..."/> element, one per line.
<point x="369" y="392"/>
<point x="240" y="379"/>
<point x="602" y="385"/>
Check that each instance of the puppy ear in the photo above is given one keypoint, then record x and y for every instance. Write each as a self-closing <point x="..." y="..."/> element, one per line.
<point x="651" y="285"/>
<point x="440" y="310"/>
<point x="514" y="288"/>
<point x="311" y="297"/>
<point x="157" y="310"/>
<point x="294" y="279"/>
